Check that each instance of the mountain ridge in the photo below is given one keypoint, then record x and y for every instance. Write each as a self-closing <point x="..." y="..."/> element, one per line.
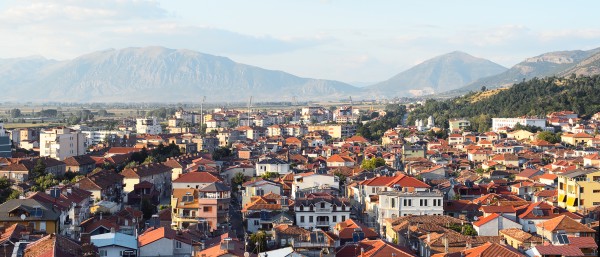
<point x="163" y="74"/>
<point x="441" y="73"/>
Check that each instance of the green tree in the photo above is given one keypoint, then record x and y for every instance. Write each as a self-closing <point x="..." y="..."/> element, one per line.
<point x="258" y="241"/>
<point x="15" y="113"/>
<point x="39" y="170"/>
<point x="552" y="138"/>
<point x="238" y="179"/>
<point x="149" y="160"/>
<point x="270" y="175"/>
<point x="373" y="163"/>
<point x="221" y="152"/>
<point x="147" y="208"/>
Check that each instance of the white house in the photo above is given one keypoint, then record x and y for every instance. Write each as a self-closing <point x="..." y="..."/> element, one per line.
<point x="60" y="143"/>
<point x="393" y="204"/>
<point x="498" y="123"/>
<point x="490" y="225"/>
<point x="272" y="165"/>
<point x="311" y="180"/>
<point x="321" y="210"/>
<point x="163" y="242"/>
<point x="115" y="244"/>
<point x="248" y="170"/>
<point x="259" y="187"/>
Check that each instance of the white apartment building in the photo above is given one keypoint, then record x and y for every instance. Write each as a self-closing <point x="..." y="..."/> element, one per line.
<point x="272" y="165"/>
<point x="321" y="211"/>
<point x="393" y="204"/>
<point x="498" y="123"/>
<point x="148" y="126"/>
<point x="60" y="143"/>
<point x="99" y="136"/>
<point x="313" y="180"/>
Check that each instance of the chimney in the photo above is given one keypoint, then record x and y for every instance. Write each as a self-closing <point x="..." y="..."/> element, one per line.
<point x="85" y="238"/>
<point x="445" y="240"/>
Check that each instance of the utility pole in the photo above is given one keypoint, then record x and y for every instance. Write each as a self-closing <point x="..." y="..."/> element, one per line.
<point x="249" y="105"/>
<point x="202" y="112"/>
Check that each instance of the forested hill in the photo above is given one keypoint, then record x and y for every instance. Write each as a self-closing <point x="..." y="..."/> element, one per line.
<point x="533" y="97"/>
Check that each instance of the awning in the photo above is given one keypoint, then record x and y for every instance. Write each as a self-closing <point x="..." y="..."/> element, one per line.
<point x="571" y="201"/>
<point x="562" y="198"/>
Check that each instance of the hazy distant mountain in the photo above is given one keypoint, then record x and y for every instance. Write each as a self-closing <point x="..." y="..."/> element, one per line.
<point x="588" y="66"/>
<point x="155" y="74"/>
<point x="548" y="64"/>
<point x="442" y="73"/>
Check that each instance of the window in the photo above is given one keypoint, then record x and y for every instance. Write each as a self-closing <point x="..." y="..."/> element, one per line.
<point x="177" y="245"/>
<point x="301" y="219"/>
<point x="334" y="218"/>
<point x="581" y="190"/>
<point x="343" y="217"/>
<point x="301" y="207"/>
<point x="256" y="223"/>
<point x="310" y="219"/>
<point x="343" y="207"/>
<point x="373" y="190"/>
<point x="596" y="191"/>
<point x="207" y="208"/>
<point x="103" y="253"/>
<point x="322" y="205"/>
<point x="393" y="203"/>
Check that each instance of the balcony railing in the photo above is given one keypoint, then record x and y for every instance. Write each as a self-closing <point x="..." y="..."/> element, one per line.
<point x="322" y="223"/>
<point x="310" y="244"/>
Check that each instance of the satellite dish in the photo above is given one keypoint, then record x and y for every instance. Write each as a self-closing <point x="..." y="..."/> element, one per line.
<point x="23" y="216"/>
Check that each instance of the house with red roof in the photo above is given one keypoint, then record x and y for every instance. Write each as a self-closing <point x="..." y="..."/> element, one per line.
<point x="491" y="225"/>
<point x="164" y="242"/>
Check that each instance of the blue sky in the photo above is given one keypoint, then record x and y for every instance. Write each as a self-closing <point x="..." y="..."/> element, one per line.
<point x="351" y="41"/>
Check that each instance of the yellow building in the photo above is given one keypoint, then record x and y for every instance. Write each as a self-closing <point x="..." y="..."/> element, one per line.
<point x="579" y="190"/>
<point x="30" y="212"/>
<point x="576" y="139"/>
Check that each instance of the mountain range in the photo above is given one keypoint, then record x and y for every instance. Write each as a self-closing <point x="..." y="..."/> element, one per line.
<point x="559" y="63"/>
<point x="155" y="74"/>
<point x="158" y="74"/>
<point x="439" y="74"/>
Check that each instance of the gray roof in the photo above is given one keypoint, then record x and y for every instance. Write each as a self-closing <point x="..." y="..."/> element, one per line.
<point x="27" y="206"/>
<point x="577" y="173"/>
<point x="215" y="187"/>
<point x="272" y="161"/>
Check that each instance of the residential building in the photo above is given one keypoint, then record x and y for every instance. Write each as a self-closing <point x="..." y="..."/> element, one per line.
<point x="498" y="123"/>
<point x="321" y="210"/>
<point x="82" y="164"/>
<point x="347" y="229"/>
<point x="579" y="189"/>
<point x="272" y="165"/>
<point x="558" y="229"/>
<point x="197" y="180"/>
<point x="31" y="212"/>
<point x="393" y="204"/>
<point x="104" y="185"/>
<point x="519" y="239"/>
<point x="259" y="187"/>
<point x="307" y="180"/>
<point x="164" y="242"/>
<point x="493" y="223"/>
<point x="334" y="130"/>
<point x="373" y="248"/>
<point x="115" y="244"/>
<point x="60" y="143"/>
<point x="488" y="249"/>
<point x="58" y="245"/>
<point x="208" y="205"/>
<point x="338" y="160"/>
<point x="459" y="124"/>
<point x="148" y="126"/>
<point x="156" y="173"/>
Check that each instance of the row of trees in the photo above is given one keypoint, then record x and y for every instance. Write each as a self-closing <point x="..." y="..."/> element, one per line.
<point x="535" y="97"/>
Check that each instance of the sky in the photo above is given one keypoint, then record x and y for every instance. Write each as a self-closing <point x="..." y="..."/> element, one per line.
<point x="358" y="42"/>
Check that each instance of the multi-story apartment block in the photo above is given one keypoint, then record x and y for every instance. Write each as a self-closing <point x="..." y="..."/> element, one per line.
<point x="459" y="124"/>
<point x="208" y="206"/>
<point x="60" y="143"/>
<point x="321" y="210"/>
<point x="148" y="126"/>
<point x="334" y="130"/>
<point x="498" y="123"/>
<point x="579" y="190"/>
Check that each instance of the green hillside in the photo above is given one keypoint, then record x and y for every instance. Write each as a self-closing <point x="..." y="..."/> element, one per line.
<point x="533" y="97"/>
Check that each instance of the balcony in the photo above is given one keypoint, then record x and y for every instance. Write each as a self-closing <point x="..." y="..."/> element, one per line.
<point x="321" y="223"/>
